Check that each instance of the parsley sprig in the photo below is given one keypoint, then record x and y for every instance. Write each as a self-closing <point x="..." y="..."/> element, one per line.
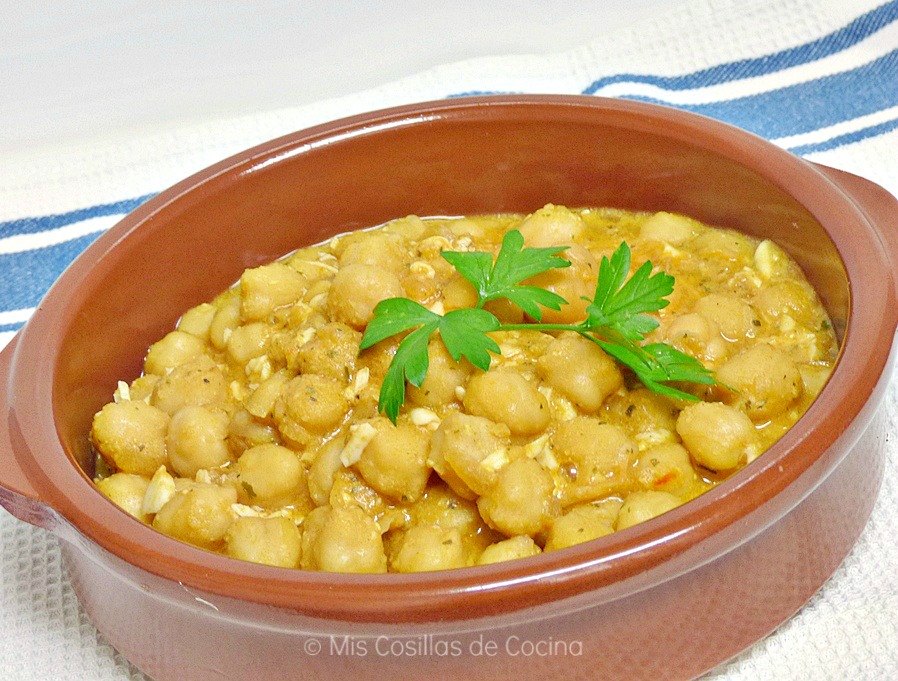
<point x="615" y="319"/>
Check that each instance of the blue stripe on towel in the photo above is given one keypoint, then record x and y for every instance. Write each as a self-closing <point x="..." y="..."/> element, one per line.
<point x="28" y="275"/>
<point x="811" y="105"/>
<point x="847" y="138"/>
<point x="851" y="34"/>
<point x="47" y="222"/>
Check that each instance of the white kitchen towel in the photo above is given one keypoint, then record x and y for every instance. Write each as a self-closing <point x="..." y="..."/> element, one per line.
<point x="818" y="77"/>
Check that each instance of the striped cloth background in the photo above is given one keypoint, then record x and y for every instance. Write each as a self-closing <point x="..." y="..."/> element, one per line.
<point x="817" y="77"/>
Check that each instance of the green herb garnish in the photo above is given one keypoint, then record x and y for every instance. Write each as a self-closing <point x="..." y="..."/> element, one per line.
<point x="616" y="319"/>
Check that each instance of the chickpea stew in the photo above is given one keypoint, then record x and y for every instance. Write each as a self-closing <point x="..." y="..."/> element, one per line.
<point x="254" y="430"/>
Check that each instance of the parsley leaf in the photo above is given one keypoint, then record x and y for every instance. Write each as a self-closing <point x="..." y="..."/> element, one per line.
<point x="616" y="319"/>
<point x="514" y="264"/>
<point x="619" y="302"/>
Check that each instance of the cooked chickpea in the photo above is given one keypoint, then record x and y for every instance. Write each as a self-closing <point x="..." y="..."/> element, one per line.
<point x="395" y="461"/>
<point x="270" y="541"/>
<point x="766" y="380"/>
<point x="521" y="500"/>
<point x="131" y="436"/>
<point x="383" y="251"/>
<point x="197" y="439"/>
<point x="269" y="475"/>
<point x="248" y="342"/>
<point x="197" y="383"/>
<point x="579" y="524"/>
<point x="597" y="455"/>
<point x="173" y="350"/>
<point x="444" y="377"/>
<point x="226" y="319"/>
<point x="552" y="226"/>
<point x="266" y="288"/>
<point x="642" y="506"/>
<point x="197" y="320"/>
<point x="521" y="546"/>
<point x="666" y="467"/>
<point x="331" y="352"/>
<point x="325" y="465"/>
<point x="696" y="335"/>
<point x="505" y="396"/>
<point x="342" y="540"/>
<point x="356" y="291"/>
<point x="199" y="515"/>
<point x="467" y="451"/>
<point x="782" y="299"/>
<point x="735" y="318"/>
<point x="717" y="436"/>
<point x="669" y="227"/>
<point x="126" y="491"/>
<point x="580" y="370"/>
<point x="425" y="548"/>
<point x="310" y="405"/>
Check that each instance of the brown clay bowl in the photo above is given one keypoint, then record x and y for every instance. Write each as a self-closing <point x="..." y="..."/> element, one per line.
<point x="670" y="598"/>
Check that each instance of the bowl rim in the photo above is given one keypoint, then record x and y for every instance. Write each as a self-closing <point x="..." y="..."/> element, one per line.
<point x="611" y="567"/>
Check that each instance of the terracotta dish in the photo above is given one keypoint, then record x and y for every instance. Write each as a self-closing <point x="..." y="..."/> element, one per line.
<point x="670" y="598"/>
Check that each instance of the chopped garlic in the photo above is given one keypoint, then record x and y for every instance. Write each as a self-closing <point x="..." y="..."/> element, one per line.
<point x="160" y="490"/>
<point x="122" y="392"/>
<point x="437" y="308"/>
<point x="495" y="460"/>
<point x="359" y="437"/>
<point x="424" y="417"/>
<point x="460" y="392"/>
<point x="202" y="476"/>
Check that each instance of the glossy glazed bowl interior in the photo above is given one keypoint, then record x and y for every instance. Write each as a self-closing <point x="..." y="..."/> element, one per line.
<point x="478" y="155"/>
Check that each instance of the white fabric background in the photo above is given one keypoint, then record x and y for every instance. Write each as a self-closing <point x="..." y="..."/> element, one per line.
<point x="850" y="628"/>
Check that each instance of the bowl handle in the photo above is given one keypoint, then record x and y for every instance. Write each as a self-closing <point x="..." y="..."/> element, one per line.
<point x="17" y="495"/>
<point x="880" y="207"/>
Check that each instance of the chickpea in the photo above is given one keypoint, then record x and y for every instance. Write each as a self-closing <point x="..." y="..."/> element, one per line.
<point x="261" y="403"/>
<point x="379" y="250"/>
<point x="331" y="352"/>
<point x="197" y="439"/>
<point x="269" y="541"/>
<point x="342" y="540"/>
<point x="131" y="435"/>
<point x="725" y="244"/>
<point x="641" y="506"/>
<point x="698" y="336"/>
<point x="126" y="491"/>
<point x="467" y="451"/>
<point x="735" y="318"/>
<point x="197" y="320"/>
<point x="425" y="548"/>
<point x="226" y="319"/>
<point x="248" y="342"/>
<point x="520" y="546"/>
<point x="597" y="455"/>
<point x="642" y="411"/>
<point x="717" y="436"/>
<point x="174" y="349"/>
<point x="245" y="432"/>
<point x="310" y="405"/>
<point x="269" y="475"/>
<point x="669" y="227"/>
<point x="552" y="226"/>
<point x="323" y="469"/>
<point x="666" y="467"/>
<point x="580" y="370"/>
<point x="571" y="283"/>
<point x="787" y="298"/>
<point x="505" y="396"/>
<point x="266" y="288"/>
<point x="356" y="291"/>
<point x="197" y="383"/>
<point x="579" y="524"/>
<point x="395" y="461"/>
<point x="521" y="500"/>
<point x="766" y="380"/>
<point x="444" y="377"/>
<point x="199" y="515"/>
